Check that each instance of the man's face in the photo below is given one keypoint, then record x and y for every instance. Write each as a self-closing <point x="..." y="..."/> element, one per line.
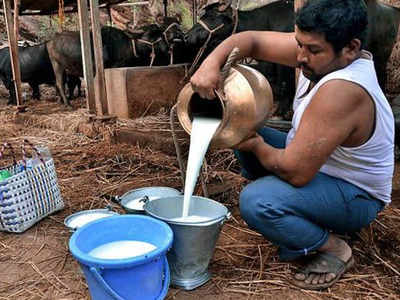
<point x="315" y="56"/>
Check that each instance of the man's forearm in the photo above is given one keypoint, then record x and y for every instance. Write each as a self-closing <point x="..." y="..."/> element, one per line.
<point x="274" y="160"/>
<point x="243" y="41"/>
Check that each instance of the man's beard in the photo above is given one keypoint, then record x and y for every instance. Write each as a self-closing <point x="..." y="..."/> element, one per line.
<point x="310" y="74"/>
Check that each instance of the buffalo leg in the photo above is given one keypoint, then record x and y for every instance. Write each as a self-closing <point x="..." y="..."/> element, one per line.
<point x="12" y="100"/>
<point x="72" y="83"/>
<point x="79" y="85"/>
<point x="35" y="90"/>
<point x="59" y="73"/>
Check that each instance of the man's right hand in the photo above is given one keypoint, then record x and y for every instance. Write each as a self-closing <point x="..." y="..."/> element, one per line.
<point x="206" y="79"/>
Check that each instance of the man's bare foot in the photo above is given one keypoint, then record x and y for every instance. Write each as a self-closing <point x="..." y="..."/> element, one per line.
<point x="334" y="258"/>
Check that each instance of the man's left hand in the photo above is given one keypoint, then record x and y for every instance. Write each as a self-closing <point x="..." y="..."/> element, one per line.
<point x="250" y="144"/>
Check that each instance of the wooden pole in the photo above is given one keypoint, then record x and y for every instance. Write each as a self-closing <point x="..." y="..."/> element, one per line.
<point x="194" y="11"/>
<point x="13" y="44"/>
<point x="165" y="8"/>
<point x="87" y="59"/>
<point x="101" y="98"/>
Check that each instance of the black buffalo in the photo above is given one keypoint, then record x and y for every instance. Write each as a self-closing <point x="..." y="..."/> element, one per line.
<point x="35" y="68"/>
<point x="279" y="16"/>
<point x="152" y="45"/>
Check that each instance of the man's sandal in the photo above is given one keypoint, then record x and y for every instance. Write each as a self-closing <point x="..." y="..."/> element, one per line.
<point x="323" y="263"/>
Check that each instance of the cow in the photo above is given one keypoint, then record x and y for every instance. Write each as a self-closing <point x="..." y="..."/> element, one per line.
<point x="35" y="68"/>
<point x="279" y="16"/>
<point x="149" y="46"/>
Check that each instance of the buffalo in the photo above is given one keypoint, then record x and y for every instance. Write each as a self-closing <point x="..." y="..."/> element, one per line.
<point x="279" y="16"/>
<point x="35" y="68"/>
<point x="151" y="45"/>
<point x="222" y="22"/>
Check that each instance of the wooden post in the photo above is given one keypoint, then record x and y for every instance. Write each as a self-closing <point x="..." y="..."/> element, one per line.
<point x="13" y="44"/>
<point x="101" y="97"/>
<point x="194" y="11"/>
<point x="165" y="8"/>
<point x="87" y="60"/>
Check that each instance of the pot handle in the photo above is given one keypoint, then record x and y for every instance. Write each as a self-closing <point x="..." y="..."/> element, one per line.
<point x="230" y="61"/>
<point x="116" y="199"/>
<point x="144" y="199"/>
<point x="228" y="216"/>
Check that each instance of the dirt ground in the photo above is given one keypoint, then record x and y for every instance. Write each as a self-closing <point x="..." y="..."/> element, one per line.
<point x="92" y="165"/>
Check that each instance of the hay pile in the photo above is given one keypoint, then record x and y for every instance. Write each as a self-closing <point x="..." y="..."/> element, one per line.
<point x="38" y="265"/>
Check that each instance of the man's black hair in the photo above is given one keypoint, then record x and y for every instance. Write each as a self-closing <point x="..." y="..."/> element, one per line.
<point x="339" y="21"/>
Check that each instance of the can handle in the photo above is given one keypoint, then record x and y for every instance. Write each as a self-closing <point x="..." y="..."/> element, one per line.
<point x="116" y="199"/>
<point x="100" y="280"/>
<point x="230" y="61"/>
<point x="166" y="280"/>
<point x="144" y="199"/>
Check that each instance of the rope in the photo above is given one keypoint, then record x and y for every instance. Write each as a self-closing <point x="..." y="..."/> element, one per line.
<point x="230" y="61"/>
<point x="171" y="54"/>
<point x="152" y="44"/>
<point x="201" y="50"/>
<point x="202" y="179"/>
<point x="167" y="29"/>
<point x="170" y="46"/>
<point x="177" y="148"/>
<point x="235" y="19"/>
<point x="153" y="52"/>
<point x="134" y="47"/>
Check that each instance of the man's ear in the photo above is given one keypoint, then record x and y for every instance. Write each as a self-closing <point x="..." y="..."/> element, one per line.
<point x="352" y="49"/>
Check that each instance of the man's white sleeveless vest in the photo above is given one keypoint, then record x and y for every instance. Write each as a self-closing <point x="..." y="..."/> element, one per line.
<point x="369" y="166"/>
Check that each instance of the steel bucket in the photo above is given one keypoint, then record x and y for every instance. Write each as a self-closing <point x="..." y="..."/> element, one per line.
<point x="133" y="201"/>
<point x="194" y="242"/>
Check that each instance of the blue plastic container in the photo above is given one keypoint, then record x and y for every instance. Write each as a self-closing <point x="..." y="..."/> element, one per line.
<point x="140" y="277"/>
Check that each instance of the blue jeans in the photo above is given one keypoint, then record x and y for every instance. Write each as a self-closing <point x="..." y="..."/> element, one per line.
<point x="299" y="219"/>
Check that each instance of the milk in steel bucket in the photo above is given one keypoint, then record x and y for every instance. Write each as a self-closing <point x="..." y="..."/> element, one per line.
<point x="195" y="236"/>
<point x="132" y="201"/>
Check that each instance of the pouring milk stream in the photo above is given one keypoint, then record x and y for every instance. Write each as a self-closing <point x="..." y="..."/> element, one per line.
<point x="244" y="104"/>
<point x="203" y="129"/>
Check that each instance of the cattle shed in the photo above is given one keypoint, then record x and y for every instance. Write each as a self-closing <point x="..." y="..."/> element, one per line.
<point x="84" y="9"/>
<point x="96" y="94"/>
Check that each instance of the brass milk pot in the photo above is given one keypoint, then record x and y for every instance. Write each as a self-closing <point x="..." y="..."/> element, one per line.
<point x="244" y="102"/>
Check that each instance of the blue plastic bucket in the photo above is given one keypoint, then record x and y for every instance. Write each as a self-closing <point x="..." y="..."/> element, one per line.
<point x="140" y="277"/>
